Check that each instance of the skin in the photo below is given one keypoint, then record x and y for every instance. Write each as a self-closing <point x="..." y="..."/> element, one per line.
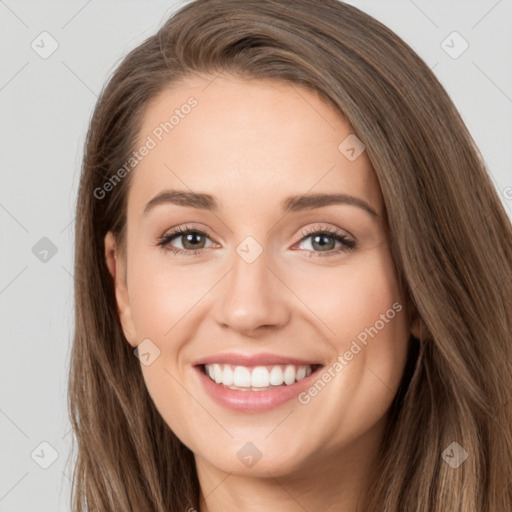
<point x="252" y="143"/>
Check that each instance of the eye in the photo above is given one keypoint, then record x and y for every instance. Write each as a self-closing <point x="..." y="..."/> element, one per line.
<point x="192" y="239"/>
<point x="324" y="239"/>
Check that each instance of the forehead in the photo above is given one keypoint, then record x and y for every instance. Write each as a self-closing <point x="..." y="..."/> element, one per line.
<point x="247" y="142"/>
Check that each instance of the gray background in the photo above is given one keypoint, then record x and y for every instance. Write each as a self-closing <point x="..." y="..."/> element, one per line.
<point x="45" y="107"/>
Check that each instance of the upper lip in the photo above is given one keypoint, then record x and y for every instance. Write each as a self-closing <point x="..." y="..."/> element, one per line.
<point x="253" y="360"/>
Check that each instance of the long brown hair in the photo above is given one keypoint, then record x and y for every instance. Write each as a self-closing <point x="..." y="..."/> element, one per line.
<point x="450" y="238"/>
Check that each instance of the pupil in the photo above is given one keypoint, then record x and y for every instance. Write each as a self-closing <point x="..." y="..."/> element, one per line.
<point x="193" y="235"/>
<point x="322" y="242"/>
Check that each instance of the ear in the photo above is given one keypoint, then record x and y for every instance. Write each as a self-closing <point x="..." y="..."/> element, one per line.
<point x="117" y="267"/>
<point x="418" y="328"/>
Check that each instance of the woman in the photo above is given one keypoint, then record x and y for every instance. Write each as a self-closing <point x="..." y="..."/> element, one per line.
<point x="295" y="276"/>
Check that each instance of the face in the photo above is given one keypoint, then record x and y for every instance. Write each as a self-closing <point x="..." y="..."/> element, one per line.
<point x="292" y="305"/>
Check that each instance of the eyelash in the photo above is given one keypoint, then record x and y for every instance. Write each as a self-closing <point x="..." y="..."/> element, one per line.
<point x="347" y="243"/>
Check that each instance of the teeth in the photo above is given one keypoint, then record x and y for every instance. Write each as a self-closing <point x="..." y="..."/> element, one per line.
<point x="217" y="373"/>
<point x="289" y="374"/>
<point x="241" y="377"/>
<point x="227" y="375"/>
<point x="276" y="376"/>
<point x="256" y="378"/>
<point x="260" y="377"/>
<point x="301" y="373"/>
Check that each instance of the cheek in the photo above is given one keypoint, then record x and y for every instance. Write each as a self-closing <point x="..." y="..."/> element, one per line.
<point x="368" y="335"/>
<point x="162" y="293"/>
<point x="164" y="301"/>
<point x="373" y="329"/>
<point x="352" y="296"/>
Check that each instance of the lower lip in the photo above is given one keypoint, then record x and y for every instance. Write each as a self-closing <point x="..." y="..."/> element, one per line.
<point x="253" y="401"/>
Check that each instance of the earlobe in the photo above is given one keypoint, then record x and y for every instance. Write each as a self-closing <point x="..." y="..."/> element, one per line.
<point x="417" y="328"/>
<point x="115" y="263"/>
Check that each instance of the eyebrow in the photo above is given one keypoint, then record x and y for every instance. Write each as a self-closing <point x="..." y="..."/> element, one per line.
<point x="290" y="204"/>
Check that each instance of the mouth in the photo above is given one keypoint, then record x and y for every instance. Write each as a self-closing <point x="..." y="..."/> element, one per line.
<point x="257" y="378"/>
<point x="255" y="388"/>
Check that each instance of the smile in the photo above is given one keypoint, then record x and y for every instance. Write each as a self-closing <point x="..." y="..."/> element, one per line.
<point x="257" y="378"/>
<point x="255" y="383"/>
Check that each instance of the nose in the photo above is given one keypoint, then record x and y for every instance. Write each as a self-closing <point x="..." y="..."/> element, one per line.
<point x="253" y="297"/>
